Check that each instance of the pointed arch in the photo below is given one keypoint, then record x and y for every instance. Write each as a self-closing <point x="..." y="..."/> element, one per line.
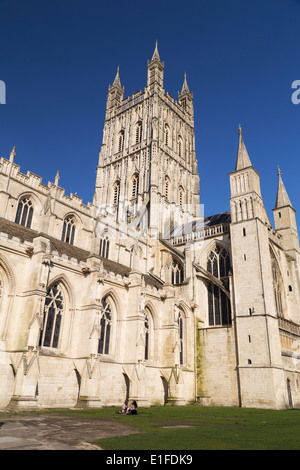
<point x="177" y="272"/>
<point x="109" y="337"/>
<point x="121" y="138"/>
<point x="104" y="245"/>
<point x="138" y="132"/>
<point x="7" y="291"/>
<point x="116" y="192"/>
<point x="219" y="266"/>
<point x="69" y="228"/>
<point x="181" y="196"/>
<point x="63" y="279"/>
<point x="278" y="285"/>
<point x="167" y="135"/>
<point x="58" y="314"/>
<point x="167" y="188"/>
<point x="135" y="185"/>
<point x="150" y="332"/>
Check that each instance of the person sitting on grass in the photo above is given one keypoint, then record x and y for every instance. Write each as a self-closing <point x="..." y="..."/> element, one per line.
<point x="124" y="408"/>
<point x="132" y="410"/>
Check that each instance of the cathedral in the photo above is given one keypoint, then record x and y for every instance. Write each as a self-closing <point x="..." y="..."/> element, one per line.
<point x="136" y="295"/>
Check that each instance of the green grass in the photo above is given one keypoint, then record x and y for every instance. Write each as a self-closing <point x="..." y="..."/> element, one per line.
<point x="208" y="428"/>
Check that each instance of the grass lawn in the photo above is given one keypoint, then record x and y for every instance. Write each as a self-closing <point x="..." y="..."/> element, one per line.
<point x="202" y="428"/>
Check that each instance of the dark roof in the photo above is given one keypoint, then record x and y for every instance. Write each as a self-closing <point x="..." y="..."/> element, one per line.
<point x="27" y="234"/>
<point x="200" y="224"/>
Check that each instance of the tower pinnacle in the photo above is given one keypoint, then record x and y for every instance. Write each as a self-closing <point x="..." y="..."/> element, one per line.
<point x="185" y="88"/>
<point x="282" y="199"/>
<point x="117" y="78"/>
<point x="243" y="160"/>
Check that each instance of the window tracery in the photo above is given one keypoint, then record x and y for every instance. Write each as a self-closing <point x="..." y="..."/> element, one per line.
<point x="219" y="309"/>
<point x="277" y="285"/>
<point x="177" y="273"/>
<point x="24" y="212"/>
<point x="104" y="246"/>
<point x="68" y="232"/>
<point x="116" y="192"/>
<point x="138" y="133"/>
<point x="121" y="141"/>
<point x="135" y="186"/>
<point x="105" y="328"/>
<point x="53" y="312"/>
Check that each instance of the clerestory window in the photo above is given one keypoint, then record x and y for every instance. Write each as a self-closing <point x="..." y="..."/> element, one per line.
<point x="177" y="273"/>
<point x="68" y="232"/>
<point x="24" y="212"/>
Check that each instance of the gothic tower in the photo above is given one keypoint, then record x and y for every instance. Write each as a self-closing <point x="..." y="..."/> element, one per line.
<point x="256" y="321"/>
<point x="147" y="171"/>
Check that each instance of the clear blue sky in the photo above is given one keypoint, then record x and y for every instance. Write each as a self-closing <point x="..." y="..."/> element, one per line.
<point x="240" y="56"/>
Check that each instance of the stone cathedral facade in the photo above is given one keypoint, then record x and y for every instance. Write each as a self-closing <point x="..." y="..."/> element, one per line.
<point x="137" y="295"/>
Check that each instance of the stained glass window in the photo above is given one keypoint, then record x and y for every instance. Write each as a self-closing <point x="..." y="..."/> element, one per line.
<point x="53" y="311"/>
<point x="105" y="328"/>
<point x="219" y="309"/>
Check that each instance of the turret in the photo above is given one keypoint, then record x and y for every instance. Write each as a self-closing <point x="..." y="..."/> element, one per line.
<point x="246" y="201"/>
<point x="155" y="76"/>
<point x="115" y="92"/>
<point x="285" y="219"/>
<point x="185" y="98"/>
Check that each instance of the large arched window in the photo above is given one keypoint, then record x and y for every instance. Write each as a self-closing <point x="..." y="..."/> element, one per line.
<point x="138" y="133"/>
<point x="53" y="312"/>
<point x="277" y="285"/>
<point x="105" y="328"/>
<point x="104" y="246"/>
<point x="68" y="232"/>
<point x="177" y="273"/>
<point x="24" y="212"/>
<point x="219" y="310"/>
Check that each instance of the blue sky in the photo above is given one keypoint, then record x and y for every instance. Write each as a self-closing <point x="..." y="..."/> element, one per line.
<point x="240" y="56"/>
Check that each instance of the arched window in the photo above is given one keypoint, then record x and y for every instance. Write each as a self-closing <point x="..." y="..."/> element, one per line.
<point x="181" y="345"/>
<point x="167" y="187"/>
<point x="121" y="141"/>
<point x="177" y="272"/>
<point x="105" y="328"/>
<point x="147" y="334"/>
<point x="277" y="285"/>
<point x="179" y="146"/>
<point x="181" y="196"/>
<point x="116" y="192"/>
<point x="138" y="133"/>
<point x="68" y="232"/>
<point x="24" y="212"/>
<point x="104" y="246"/>
<point x="135" y="186"/>
<point x="53" y="311"/>
<point x="219" y="310"/>
<point x="167" y="134"/>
